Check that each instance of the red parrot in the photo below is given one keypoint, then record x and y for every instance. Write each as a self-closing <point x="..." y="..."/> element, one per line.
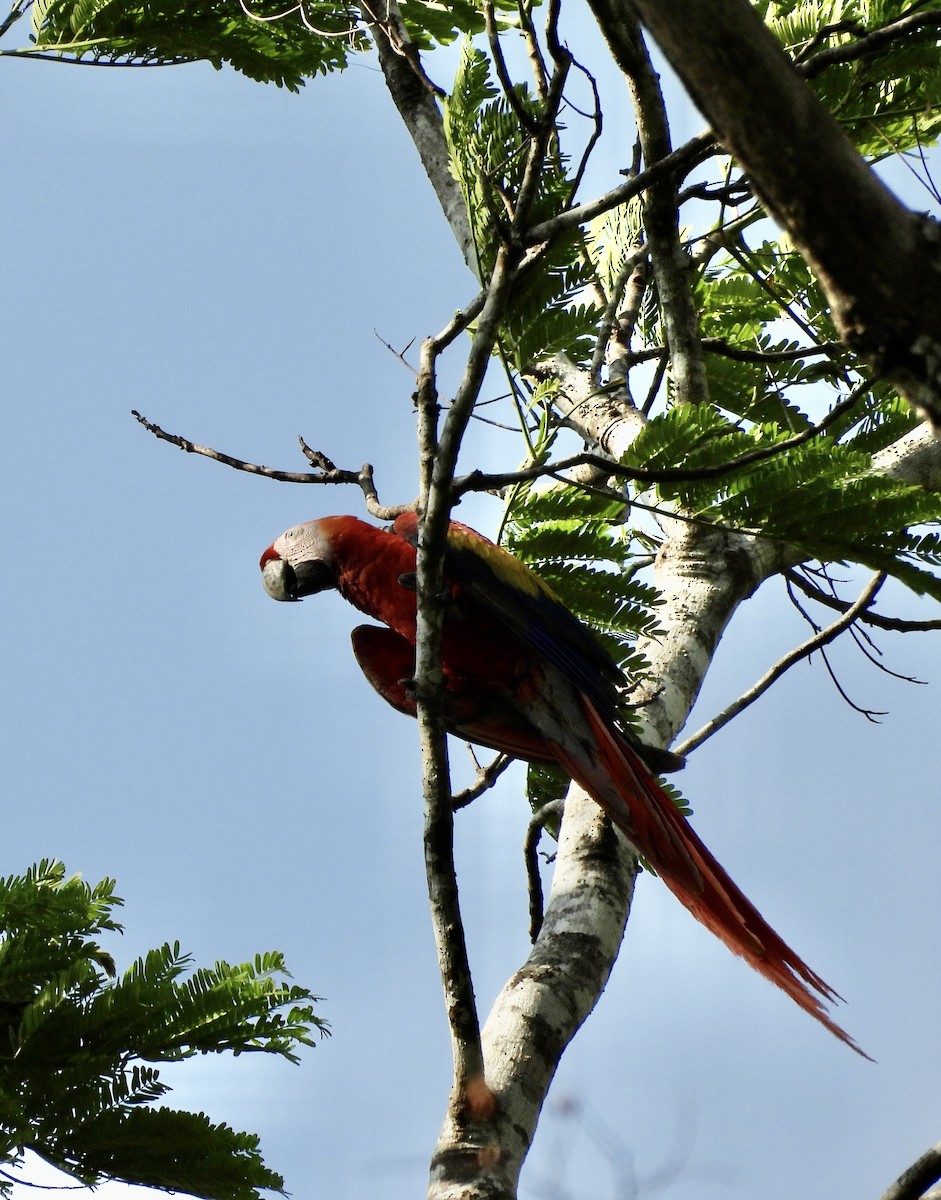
<point x="523" y="675"/>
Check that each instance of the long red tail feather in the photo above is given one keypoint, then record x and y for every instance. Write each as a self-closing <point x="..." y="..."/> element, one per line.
<point x="633" y="799"/>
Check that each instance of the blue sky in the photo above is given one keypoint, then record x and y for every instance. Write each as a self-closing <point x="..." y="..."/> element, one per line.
<point x="225" y="258"/>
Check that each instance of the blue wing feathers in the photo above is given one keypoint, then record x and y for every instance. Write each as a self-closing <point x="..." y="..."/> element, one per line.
<point x="491" y="577"/>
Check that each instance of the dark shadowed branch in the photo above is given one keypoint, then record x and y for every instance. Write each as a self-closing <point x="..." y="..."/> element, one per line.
<point x="878" y="620"/>
<point x="548" y="812"/>
<point x="914" y="1182"/>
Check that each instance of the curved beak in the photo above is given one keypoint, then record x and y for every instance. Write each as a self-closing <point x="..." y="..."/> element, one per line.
<point x="282" y="581"/>
<point x="279" y="579"/>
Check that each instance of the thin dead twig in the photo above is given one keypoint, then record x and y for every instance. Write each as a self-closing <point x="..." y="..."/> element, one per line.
<point x="486" y="778"/>
<point x="877" y="620"/>
<point x="325" y="471"/>
<point x="821" y="639"/>
<point x="478" y="481"/>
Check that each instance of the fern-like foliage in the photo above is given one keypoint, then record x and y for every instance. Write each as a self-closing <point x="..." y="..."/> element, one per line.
<point x="821" y="497"/>
<point x="488" y="146"/>
<point x="888" y="101"/>
<point x="261" y="40"/>
<point x="268" y="41"/>
<point x="77" y="1043"/>
<point x="577" y="543"/>
<point x="431" y="24"/>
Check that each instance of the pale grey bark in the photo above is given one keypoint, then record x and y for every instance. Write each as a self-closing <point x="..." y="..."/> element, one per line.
<point x="911" y="1184"/>
<point x="414" y="96"/>
<point x="703" y="574"/>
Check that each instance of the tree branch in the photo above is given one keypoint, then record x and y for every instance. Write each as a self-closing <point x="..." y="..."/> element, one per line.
<point x="672" y="267"/>
<point x="478" y="481"/>
<point x="819" y="640"/>
<point x="414" y="97"/>
<point x="471" y="1104"/>
<point x="552" y="811"/>
<point x="911" y="1184"/>
<point x="877" y="262"/>
<point x="877" y="620"/>
<point x="867" y="43"/>
<point x="325" y="471"/>
<point x="484" y="780"/>
<point x="674" y="164"/>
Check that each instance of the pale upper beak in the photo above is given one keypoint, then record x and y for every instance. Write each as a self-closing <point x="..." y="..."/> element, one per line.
<point x="279" y="579"/>
<point x="284" y="581"/>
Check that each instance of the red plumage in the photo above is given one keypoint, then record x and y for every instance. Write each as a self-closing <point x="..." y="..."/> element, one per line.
<point x="524" y="676"/>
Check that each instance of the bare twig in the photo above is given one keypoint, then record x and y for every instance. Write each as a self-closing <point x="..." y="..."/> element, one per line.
<point x="526" y="119"/>
<point x="733" y="193"/>
<point x="823" y="638"/>
<point x="486" y="778"/>
<point x="325" y="471"/>
<point x="742" y="354"/>
<point x="597" y="119"/>
<point x="536" y="157"/>
<point x="16" y="11"/>
<point x="895" y="624"/>
<point x="240" y="464"/>
<point x="724" y="349"/>
<point x="871" y="714"/>
<point x="42" y="1187"/>
<point x="655" y="384"/>
<point x="865" y="644"/>
<point x="678" y="162"/>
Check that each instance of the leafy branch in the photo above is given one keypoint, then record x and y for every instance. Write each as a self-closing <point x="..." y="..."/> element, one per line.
<point x="77" y="1044"/>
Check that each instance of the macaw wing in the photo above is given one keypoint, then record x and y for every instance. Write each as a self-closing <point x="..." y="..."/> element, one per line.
<point x="507" y="589"/>
<point x="478" y="715"/>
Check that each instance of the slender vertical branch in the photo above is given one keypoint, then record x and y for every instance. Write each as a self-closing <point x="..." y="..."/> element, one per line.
<point x="453" y="961"/>
<point x="468" y="1136"/>
<point x="672" y="267"/>
<point x="438" y="450"/>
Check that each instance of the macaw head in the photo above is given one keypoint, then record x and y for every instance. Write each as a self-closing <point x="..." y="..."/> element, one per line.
<point x="299" y="563"/>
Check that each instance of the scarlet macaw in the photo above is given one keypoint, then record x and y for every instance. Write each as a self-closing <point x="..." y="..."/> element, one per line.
<point x="525" y="676"/>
